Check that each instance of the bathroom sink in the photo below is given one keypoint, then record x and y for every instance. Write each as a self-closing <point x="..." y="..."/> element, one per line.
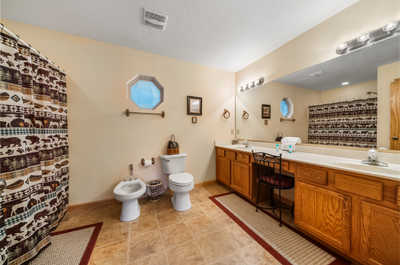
<point x="377" y="169"/>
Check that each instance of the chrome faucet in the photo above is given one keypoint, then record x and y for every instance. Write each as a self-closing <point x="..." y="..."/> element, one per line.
<point x="373" y="159"/>
<point x="246" y="143"/>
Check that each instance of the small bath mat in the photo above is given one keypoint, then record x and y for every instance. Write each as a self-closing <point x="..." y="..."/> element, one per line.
<point x="70" y="247"/>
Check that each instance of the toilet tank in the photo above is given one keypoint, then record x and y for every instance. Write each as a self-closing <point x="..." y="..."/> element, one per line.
<point x="172" y="164"/>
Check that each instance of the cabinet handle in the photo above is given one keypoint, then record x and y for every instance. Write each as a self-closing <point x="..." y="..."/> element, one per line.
<point x="395" y="138"/>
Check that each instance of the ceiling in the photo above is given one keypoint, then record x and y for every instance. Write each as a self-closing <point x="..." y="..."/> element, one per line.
<point x="225" y="34"/>
<point x="356" y="67"/>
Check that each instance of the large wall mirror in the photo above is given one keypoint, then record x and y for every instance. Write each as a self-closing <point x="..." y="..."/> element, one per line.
<point x="351" y="100"/>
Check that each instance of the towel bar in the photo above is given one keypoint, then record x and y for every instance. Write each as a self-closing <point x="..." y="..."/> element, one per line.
<point x="128" y="112"/>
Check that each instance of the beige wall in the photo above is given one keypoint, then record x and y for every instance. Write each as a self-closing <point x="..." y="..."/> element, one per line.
<point x="386" y="75"/>
<point x="272" y="93"/>
<point x="319" y="44"/>
<point x="103" y="142"/>
<point x="346" y="93"/>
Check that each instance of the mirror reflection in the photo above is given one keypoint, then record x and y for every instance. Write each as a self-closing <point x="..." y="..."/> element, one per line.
<point x="352" y="100"/>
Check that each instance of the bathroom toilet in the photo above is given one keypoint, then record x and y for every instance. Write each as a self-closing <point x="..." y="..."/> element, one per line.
<point x="180" y="182"/>
<point x="128" y="192"/>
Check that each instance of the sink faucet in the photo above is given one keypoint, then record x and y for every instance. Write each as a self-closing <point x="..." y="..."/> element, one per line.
<point x="373" y="159"/>
<point x="246" y="143"/>
<point x="372" y="155"/>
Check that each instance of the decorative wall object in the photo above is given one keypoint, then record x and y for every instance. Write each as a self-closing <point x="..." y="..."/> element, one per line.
<point x="245" y="115"/>
<point x="265" y="111"/>
<point x="33" y="149"/>
<point x="350" y="123"/>
<point x="194" y="105"/>
<point x="194" y="120"/>
<point x="226" y="114"/>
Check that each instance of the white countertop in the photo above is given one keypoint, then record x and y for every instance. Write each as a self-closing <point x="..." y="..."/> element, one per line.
<point x="391" y="172"/>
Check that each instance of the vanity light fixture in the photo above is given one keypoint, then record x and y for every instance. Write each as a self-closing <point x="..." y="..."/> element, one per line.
<point x="366" y="39"/>
<point x="345" y="83"/>
<point x="252" y="84"/>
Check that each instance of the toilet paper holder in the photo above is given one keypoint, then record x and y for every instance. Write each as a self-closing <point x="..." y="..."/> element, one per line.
<point x="153" y="161"/>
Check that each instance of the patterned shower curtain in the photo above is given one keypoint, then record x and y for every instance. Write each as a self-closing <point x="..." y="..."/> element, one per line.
<point x="33" y="150"/>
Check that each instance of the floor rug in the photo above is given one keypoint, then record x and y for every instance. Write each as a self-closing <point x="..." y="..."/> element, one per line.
<point x="286" y="245"/>
<point x="70" y="247"/>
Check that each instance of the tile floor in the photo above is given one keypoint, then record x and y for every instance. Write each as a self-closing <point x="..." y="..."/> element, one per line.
<point x="202" y="235"/>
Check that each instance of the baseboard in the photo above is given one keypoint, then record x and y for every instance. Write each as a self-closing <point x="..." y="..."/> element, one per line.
<point x="197" y="185"/>
<point x="205" y="183"/>
<point x="89" y="203"/>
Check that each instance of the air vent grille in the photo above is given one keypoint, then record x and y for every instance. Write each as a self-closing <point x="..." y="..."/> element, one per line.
<point x="155" y="20"/>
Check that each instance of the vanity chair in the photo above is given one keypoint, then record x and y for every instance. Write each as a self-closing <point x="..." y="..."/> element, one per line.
<point x="268" y="172"/>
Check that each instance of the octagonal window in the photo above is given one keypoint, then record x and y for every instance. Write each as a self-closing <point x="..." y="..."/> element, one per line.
<point x="146" y="92"/>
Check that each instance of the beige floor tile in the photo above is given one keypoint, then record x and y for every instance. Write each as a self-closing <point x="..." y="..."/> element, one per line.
<point x="144" y="245"/>
<point x="176" y="234"/>
<point x="216" y="245"/>
<point x="202" y="225"/>
<point x="112" y="233"/>
<point x="185" y="254"/>
<point x="109" y="255"/>
<point x="168" y="217"/>
<point x="235" y="259"/>
<point x="144" y="224"/>
<point x="158" y="258"/>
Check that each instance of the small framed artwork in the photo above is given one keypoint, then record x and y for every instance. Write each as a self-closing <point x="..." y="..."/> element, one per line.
<point x="194" y="120"/>
<point x="265" y="111"/>
<point x="194" y="106"/>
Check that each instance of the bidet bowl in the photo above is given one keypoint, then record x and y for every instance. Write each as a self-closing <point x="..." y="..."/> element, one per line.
<point x="128" y="192"/>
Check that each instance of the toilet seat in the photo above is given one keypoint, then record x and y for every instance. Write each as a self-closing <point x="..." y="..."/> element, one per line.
<point x="181" y="179"/>
<point x="126" y="190"/>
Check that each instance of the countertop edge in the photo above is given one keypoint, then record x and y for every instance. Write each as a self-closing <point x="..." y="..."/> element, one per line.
<point x="331" y="166"/>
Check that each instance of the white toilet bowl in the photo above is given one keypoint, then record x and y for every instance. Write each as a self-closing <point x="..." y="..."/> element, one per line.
<point x="179" y="182"/>
<point x="128" y="192"/>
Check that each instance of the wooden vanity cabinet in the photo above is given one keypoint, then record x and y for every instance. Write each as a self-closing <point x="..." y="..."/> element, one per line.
<point x="380" y="234"/>
<point x="224" y="170"/>
<point x="356" y="214"/>
<point x="325" y="214"/>
<point x="234" y="170"/>
<point x="240" y="178"/>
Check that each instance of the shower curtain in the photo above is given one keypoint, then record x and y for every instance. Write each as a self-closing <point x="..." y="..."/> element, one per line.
<point x="33" y="150"/>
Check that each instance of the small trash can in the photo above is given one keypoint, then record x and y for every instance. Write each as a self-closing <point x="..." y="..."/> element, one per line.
<point x="155" y="189"/>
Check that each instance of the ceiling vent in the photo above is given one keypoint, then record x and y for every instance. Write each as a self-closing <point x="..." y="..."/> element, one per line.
<point x="154" y="20"/>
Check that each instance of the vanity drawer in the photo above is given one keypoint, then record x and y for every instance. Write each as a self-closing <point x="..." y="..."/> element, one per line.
<point x="285" y="166"/>
<point x="312" y="174"/>
<point x="359" y="186"/>
<point x="245" y="158"/>
<point x="398" y="196"/>
<point x="220" y="152"/>
<point x="230" y="155"/>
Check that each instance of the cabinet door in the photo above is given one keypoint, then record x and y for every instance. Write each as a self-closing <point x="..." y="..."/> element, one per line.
<point x="324" y="213"/>
<point x="241" y="178"/>
<point x="224" y="170"/>
<point x="380" y="234"/>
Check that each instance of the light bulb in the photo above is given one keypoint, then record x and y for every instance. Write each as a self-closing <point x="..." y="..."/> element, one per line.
<point x="364" y="37"/>
<point x="391" y="26"/>
<point x="341" y="49"/>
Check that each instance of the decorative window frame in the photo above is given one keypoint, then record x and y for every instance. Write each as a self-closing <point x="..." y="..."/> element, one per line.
<point x="152" y="79"/>
<point x="290" y="108"/>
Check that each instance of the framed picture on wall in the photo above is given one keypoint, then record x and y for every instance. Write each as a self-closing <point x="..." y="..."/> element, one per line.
<point x="194" y="106"/>
<point x="265" y="111"/>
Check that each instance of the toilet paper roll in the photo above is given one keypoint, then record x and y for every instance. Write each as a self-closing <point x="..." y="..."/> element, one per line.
<point x="147" y="163"/>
